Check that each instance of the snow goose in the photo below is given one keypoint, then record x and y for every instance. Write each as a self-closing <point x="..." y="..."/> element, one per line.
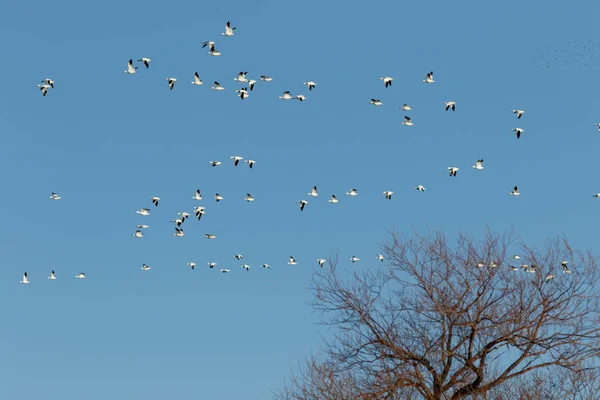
<point x="354" y="259"/>
<point x="217" y="197"/>
<point x="211" y="264"/>
<point x="228" y="30"/>
<point x="250" y="163"/>
<point x="178" y="221"/>
<point x="406" y="107"/>
<point x="248" y="197"/>
<point x="302" y="204"/>
<point x="333" y="199"/>
<point x="513" y="268"/>
<point x="314" y="192"/>
<point x="518" y="131"/>
<point x="217" y="86"/>
<point x="238" y="256"/>
<point x="242" y="93"/>
<point x="54" y="196"/>
<point x="192" y="265"/>
<point x="311" y="85"/>
<point x="478" y="164"/>
<point x="145" y="267"/>
<point x="251" y="83"/>
<point x="376" y="102"/>
<point x="197" y="80"/>
<point x="407" y="121"/>
<point x="178" y="232"/>
<point x="321" y="261"/>
<point x="519" y="113"/>
<point x="142" y="226"/>
<point x="49" y="81"/>
<point x="266" y="78"/>
<point x="387" y="81"/>
<point x="286" y="95"/>
<point x="380" y="257"/>
<point x="597" y="125"/>
<point x="52" y="276"/>
<point x="143" y="211"/>
<point x="236" y="160"/>
<point x="130" y="68"/>
<point x="429" y="78"/>
<point x="352" y="192"/>
<point x="549" y="277"/>
<point x="183" y="215"/>
<point x="450" y="105"/>
<point x="146" y="61"/>
<point x="199" y="211"/>
<point x="565" y="268"/>
<point x="241" y="77"/>
<point x="44" y="89"/>
<point x="214" y="163"/>
<point x="597" y="195"/>
<point x="453" y="170"/>
<point x="292" y="261"/>
<point x="210" y="236"/>
<point x="171" y="82"/>
<point x="515" y="192"/>
<point x="300" y="97"/>
<point x="197" y="196"/>
<point x="211" y="49"/>
<point x="155" y="200"/>
<point x="80" y="275"/>
<point x="516" y="257"/>
<point x="24" y="280"/>
<point x="246" y="267"/>
<point x="138" y="234"/>
<point x="224" y="270"/>
<point x="267" y="266"/>
<point x="420" y="188"/>
<point x="388" y="194"/>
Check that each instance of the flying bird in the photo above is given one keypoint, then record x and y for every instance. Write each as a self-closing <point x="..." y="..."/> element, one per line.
<point x="54" y="196"/>
<point x="380" y="257"/>
<point x="352" y="192"/>
<point x="130" y="68"/>
<point x="211" y="48"/>
<point x="143" y="211"/>
<point x="300" y="97"/>
<point x="52" y="276"/>
<point x="242" y="93"/>
<point x="178" y="221"/>
<point x="44" y="89"/>
<point x="387" y="81"/>
<point x="376" y="102"/>
<point x="249" y="197"/>
<point x="218" y="197"/>
<point x="250" y="163"/>
<point x="24" y="280"/>
<point x="251" y="83"/>
<point x="453" y="170"/>
<point x="565" y="268"/>
<point x="80" y="275"/>
<point x="214" y="163"/>
<point x="155" y="200"/>
<point x="420" y="188"/>
<point x="241" y="77"/>
<point x="246" y="267"/>
<point x="238" y="256"/>
<point x="192" y="265"/>
<point x="313" y="192"/>
<point x="478" y="164"/>
<point x="171" y="82"/>
<point x="450" y="105"/>
<point x="236" y="160"/>
<point x="518" y="131"/>
<point x="266" y="78"/>
<point x="286" y="95"/>
<point x="406" y="107"/>
<point x="142" y="226"/>
<point x="197" y="80"/>
<point x="519" y="113"/>
<point x="311" y="85"/>
<point x="333" y="199"/>
<point x="197" y="196"/>
<point x="178" y="232"/>
<point x="228" y="30"/>
<point x="211" y="265"/>
<point x="292" y="261"/>
<point x="407" y="121"/>
<point x="302" y="204"/>
<point x="138" y="234"/>
<point x="515" y="191"/>
<point x="145" y="267"/>
<point x="354" y="259"/>
<point x="321" y="261"/>
<point x="199" y="211"/>
<point x="429" y="78"/>
<point x="549" y="277"/>
<point x="146" y="61"/>
<point x="224" y="271"/>
<point x="217" y="86"/>
<point x="388" y="194"/>
<point x="267" y="266"/>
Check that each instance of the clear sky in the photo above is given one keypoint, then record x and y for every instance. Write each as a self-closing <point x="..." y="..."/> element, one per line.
<point x="107" y="141"/>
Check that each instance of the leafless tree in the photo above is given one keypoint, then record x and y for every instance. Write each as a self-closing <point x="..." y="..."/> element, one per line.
<point x="460" y="320"/>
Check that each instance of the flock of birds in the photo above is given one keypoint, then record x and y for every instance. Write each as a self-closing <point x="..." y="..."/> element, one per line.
<point x="243" y="92"/>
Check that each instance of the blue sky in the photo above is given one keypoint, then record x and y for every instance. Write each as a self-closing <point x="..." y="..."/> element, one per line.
<point x="107" y="142"/>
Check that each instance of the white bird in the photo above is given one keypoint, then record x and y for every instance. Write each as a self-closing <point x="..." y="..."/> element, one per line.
<point x="453" y="170"/>
<point x="49" y="81"/>
<point x="214" y="163"/>
<point x="242" y="93"/>
<point x="155" y="200"/>
<point x="450" y="105"/>
<point x="480" y="265"/>
<point x="531" y="269"/>
<point x="597" y="195"/>
<point x="292" y="261"/>
<point x="352" y="192"/>
<point x="388" y="194"/>
<point x="228" y="30"/>
<point x="387" y="81"/>
<point x="597" y="125"/>
<point x="250" y="163"/>
<point x="142" y="226"/>
<point x="429" y="78"/>
<point x="218" y="197"/>
<point x="80" y="275"/>
<point x="54" y="196"/>
<point x="549" y="277"/>
<point x="407" y="121"/>
<point x="300" y="97"/>
<point x="130" y="68"/>
<point x="380" y="257"/>
<point x="52" y="276"/>
<point x="183" y="215"/>
<point x="512" y="267"/>
<point x="145" y="267"/>
<point x="211" y="48"/>
<point x="199" y="211"/>
<point x="321" y="261"/>
<point x="209" y="236"/>
<point x="516" y="257"/>
<point x="197" y="196"/>
<point x="146" y="61"/>
<point x="518" y="131"/>
<point x="236" y="160"/>
<point x="246" y="267"/>
<point x="197" y="80"/>
<point x="217" y="86"/>
<point x="224" y="271"/>
<point x="249" y="197"/>
<point x="406" y="107"/>
<point x="333" y="199"/>
<point x="515" y="191"/>
<point x="241" y="77"/>
<point x="310" y="85"/>
<point x="565" y="268"/>
<point x="44" y="89"/>
<point x="192" y="265"/>
<point x="211" y="265"/>
<point x="143" y="211"/>
<point x="266" y="78"/>
<point x="302" y="204"/>
<point x="24" y="280"/>
<point x="376" y="102"/>
<point x="354" y="259"/>
<point x="286" y="95"/>
<point x="178" y="232"/>
<point x="267" y="266"/>
<point x="519" y="113"/>
<point x="138" y="234"/>
<point x="171" y="82"/>
<point x="238" y="256"/>
<point x="178" y="221"/>
<point x="478" y="164"/>
<point x="420" y="188"/>
<point x="313" y="192"/>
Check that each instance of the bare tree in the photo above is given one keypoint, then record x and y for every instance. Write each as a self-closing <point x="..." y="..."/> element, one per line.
<point x="457" y="321"/>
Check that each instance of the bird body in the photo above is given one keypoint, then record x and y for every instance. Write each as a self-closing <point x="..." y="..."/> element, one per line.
<point x="146" y="61"/>
<point x="130" y="68"/>
<point x="197" y="81"/>
<point x="376" y="102"/>
<point x="352" y="192"/>
<point x="515" y="192"/>
<point x="24" y="280"/>
<point x="54" y="196"/>
<point x="407" y="121"/>
<point x="518" y="131"/>
<point x="302" y="204"/>
<point x="429" y="78"/>
<point x="478" y="164"/>
<point x="518" y="113"/>
<point x="388" y="194"/>
<point x="387" y="81"/>
<point x="453" y="170"/>
<point x="333" y="199"/>
<point x="450" y="105"/>
<point x="311" y="85"/>
<point x="171" y="82"/>
<point x="420" y="188"/>
<point x="229" y="31"/>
